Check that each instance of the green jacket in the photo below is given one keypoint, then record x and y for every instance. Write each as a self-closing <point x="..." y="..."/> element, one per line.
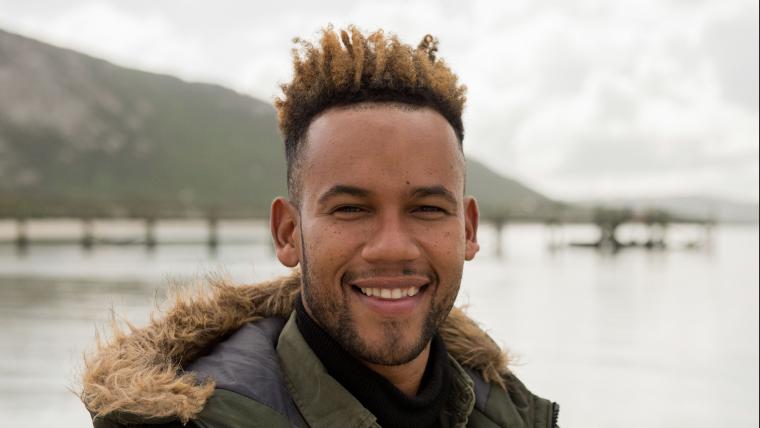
<point x="263" y="374"/>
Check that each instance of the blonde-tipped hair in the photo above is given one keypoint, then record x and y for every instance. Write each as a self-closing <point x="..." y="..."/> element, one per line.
<point x="348" y="67"/>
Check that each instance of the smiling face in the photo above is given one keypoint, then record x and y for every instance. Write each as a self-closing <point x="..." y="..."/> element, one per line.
<point x="382" y="229"/>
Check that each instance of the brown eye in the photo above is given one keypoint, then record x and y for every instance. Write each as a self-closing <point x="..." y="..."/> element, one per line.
<point x="429" y="211"/>
<point x="348" y="212"/>
<point x="348" y="209"/>
<point x="429" y="208"/>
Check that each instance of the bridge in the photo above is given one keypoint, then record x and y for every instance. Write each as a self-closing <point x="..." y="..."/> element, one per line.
<point x="606" y="220"/>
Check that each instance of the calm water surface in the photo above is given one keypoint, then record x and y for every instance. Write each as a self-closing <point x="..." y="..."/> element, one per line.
<point x="636" y="339"/>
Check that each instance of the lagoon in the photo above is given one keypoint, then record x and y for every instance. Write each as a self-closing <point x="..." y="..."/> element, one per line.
<point x="638" y="338"/>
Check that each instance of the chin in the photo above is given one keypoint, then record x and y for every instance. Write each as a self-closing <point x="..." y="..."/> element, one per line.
<point x="390" y="343"/>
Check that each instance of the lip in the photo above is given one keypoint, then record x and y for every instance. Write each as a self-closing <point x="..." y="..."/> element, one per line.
<point x="391" y="308"/>
<point x="391" y="281"/>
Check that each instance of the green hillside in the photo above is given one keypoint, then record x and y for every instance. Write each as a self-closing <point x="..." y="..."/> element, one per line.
<point x="504" y="198"/>
<point x="82" y="137"/>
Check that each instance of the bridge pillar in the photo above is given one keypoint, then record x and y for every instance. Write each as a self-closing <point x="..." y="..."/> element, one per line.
<point x="88" y="236"/>
<point x="657" y="234"/>
<point x="22" y="239"/>
<point x="150" y="232"/>
<point x="213" y="233"/>
<point x="607" y="240"/>
<point x="554" y="236"/>
<point x="500" y="226"/>
<point x="708" y="235"/>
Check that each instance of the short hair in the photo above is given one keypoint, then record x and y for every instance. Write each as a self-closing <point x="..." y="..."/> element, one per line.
<point x="363" y="69"/>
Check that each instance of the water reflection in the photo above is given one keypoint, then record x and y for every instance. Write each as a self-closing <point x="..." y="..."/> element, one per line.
<point x="657" y="339"/>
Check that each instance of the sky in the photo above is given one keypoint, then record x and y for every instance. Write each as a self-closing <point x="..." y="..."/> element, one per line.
<point x="580" y="99"/>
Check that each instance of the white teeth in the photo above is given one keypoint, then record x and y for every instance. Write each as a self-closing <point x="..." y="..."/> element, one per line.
<point x="392" y="294"/>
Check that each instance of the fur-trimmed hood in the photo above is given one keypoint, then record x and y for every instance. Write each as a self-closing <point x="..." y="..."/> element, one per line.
<point x="138" y="372"/>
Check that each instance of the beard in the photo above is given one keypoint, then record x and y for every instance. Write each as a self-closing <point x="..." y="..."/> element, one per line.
<point x="331" y="310"/>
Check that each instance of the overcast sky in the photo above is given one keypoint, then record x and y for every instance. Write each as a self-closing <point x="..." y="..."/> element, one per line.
<point x="579" y="99"/>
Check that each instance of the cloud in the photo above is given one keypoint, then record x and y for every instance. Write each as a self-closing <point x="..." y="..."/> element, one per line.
<point x="586" y="98"/>
<point x="732" y="44"/>
<point x="595" y="102"/>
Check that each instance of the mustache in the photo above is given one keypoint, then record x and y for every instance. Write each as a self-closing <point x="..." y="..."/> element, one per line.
<point x="388" y="271"/>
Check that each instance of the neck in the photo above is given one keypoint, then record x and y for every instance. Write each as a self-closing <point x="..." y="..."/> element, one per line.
<point x="406" y="377"/>
<point x="409" y="395"/>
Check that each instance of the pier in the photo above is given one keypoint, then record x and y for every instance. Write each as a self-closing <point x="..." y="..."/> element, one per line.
<point x="607" y="222"/>
<point x="144" y="232"/>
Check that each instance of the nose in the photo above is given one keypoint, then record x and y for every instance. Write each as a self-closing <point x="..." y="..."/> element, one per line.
<point x="390" y="242"/>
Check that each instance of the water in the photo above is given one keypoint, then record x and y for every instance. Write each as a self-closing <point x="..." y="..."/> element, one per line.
<point x="654" y="339"/>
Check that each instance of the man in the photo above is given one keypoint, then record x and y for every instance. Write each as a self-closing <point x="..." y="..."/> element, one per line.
<point x="364" y="334"/>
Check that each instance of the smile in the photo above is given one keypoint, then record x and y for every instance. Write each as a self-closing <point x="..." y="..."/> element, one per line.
<point x="390" y="293"/>
<point x="391" y="288"/>
<point x="391" y="296"/>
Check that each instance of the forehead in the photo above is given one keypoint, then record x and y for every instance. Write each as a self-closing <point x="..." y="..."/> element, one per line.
<point x="381" y="147"/>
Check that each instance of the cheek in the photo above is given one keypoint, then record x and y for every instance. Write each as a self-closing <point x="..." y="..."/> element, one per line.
<point x="448" y="244"/>
<point x="329" y="246"/>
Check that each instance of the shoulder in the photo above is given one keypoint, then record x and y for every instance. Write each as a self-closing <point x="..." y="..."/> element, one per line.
<point x="249" y="390"/>
<point x="224" y="409"/>
<point x="513" y="406"/>
<point x="145" y="376"/>
<point x="227" y="409"/>
<point x="249" y="380"/>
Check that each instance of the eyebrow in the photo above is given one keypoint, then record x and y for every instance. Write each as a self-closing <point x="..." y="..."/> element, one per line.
<point x="418" y="192"/>
<point x="342" y="189"/>
<point x="438" y="190"/>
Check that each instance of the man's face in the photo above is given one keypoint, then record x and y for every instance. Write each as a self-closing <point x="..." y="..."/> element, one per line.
<point x="383" y="228"/>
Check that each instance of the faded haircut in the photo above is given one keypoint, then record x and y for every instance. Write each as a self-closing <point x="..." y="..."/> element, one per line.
<point x="348" y="67"/>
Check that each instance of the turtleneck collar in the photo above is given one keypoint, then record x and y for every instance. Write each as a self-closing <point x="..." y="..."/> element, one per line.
<point x="391" y="407"/>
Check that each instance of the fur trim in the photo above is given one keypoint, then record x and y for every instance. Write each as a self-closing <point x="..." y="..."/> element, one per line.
<point x="137" y="373"/>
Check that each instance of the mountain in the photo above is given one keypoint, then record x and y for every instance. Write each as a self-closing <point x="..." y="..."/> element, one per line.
<point x="504" y="198"/>
<point x="82" y="137"/>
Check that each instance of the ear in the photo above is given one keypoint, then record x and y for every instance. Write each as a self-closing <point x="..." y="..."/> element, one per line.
<point x="283" y="223"/>
<point x="471" y="215"/>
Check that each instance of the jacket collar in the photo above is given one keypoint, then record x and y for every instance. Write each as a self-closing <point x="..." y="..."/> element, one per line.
<point x="462" y="399"/>
<point x="324" y="402"/>
<point x="137" y="373"/>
